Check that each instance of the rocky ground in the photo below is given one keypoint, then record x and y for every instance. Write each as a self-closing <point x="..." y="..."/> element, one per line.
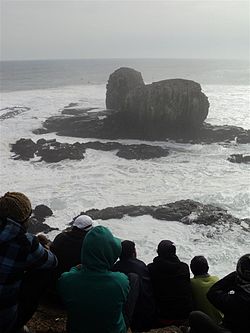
<point x="48" y="319"/>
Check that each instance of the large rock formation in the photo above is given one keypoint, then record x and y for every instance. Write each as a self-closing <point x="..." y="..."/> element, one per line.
<point x="166" y="107"/>
<point x="120" y="84"/>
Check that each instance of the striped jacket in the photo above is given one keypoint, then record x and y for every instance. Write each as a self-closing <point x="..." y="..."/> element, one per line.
<point x="19" y="252"/>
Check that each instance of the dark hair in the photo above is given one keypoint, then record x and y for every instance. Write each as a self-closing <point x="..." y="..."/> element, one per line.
<point x="243" y="267"/>
<point x="128" y="249"/>
<point x="166" y="248"/>
<point x="199" y="265"/>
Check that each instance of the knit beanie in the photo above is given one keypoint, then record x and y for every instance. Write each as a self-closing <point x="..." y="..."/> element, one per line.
<point x="166" y="248"/>
<point x="199" y="265"/>
<point x="16" y="206"/>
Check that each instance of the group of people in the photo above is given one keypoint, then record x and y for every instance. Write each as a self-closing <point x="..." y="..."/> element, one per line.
<point x="105" y="287"/>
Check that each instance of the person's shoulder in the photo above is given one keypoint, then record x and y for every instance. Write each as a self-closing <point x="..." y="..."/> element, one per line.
<point x="140" y="262"/>
<point x="214" y="278"/>
<point x="119" y="277"/>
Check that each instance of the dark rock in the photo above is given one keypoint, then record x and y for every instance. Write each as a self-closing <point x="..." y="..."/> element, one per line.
<point x="243" y="137"/>
<point x="107" y="146"/>
<point x="52" y="151"/>
<point x="185" y="211"/>
<point x="40" y="131"/>
<point x="159" y="109"/>
<point x="40" y="212"/>
<point x="26" y="148"/>
<point x="13" y="111"/>
<point x="76" y="111"/>
<point x="60" y="152"/>
<point x="142" y="152"/>
<point x="120" y="83"/>
<point x="70" y="105"/>
<point x="167" y="107"/>
<point x="41" y="141"/>
<point x="213" y="133"/>
<point x="239" y="158"/>
<point x="35" y="226"/>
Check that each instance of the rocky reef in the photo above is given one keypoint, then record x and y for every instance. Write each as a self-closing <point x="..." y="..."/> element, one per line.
<point x="52" y="151"/>
<point x="184" y="211"/>
<point x="239" y="158"/>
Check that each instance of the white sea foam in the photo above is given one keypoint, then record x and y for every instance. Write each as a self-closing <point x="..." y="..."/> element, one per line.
<point x="199" y="172"/>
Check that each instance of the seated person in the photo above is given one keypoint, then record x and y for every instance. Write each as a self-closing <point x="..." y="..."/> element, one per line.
<point x="171" y="286"/>
<point x="231" y="295"/>
<point x="25" y="265"/>
<point x="67" y="245"/>
<point x="95" y="296"/>
<point x="201" y="283"/>
<point x="143" y="315"/>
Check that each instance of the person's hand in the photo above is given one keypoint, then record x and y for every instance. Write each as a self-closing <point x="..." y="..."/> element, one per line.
<point x="44" y="241"/>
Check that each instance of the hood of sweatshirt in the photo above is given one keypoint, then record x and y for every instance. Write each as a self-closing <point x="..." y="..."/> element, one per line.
<point x="100" y="249"/>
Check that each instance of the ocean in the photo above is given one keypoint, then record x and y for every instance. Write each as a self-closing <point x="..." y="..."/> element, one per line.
<point x="198" y="172"/>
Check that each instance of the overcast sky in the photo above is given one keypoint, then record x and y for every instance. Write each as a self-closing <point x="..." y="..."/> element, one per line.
<point x="124" y="29"/>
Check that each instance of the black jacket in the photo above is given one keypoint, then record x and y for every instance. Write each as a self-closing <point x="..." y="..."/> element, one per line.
<point x="67" y="247"/>
<point x="143" y="315"/>
<point x="233" y="301"/>
<point x="172" y="288"/>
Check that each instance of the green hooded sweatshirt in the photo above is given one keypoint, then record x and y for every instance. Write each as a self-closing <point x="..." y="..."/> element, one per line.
<point x="94" y="296"/>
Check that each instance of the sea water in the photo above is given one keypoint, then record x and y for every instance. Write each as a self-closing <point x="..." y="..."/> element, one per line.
<point x="198" y="172"/>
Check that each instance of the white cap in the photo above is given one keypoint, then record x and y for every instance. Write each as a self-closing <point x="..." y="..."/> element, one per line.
<point x="83" y="222"/>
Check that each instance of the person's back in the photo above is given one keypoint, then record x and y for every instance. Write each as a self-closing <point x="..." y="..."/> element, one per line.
<point x="68" y="244"/>
<point x="144" y="311"/>
<point x="22" y="260"/>
<point x="93" y="295"/>
<point x="201" y="283"/>
<point x="171" y="285"/>
<point x="231" y="295"/>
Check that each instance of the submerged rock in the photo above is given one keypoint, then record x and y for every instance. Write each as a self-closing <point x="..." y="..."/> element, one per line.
<point x="12" y="111"/>
<point x="239" y="158"/>
<point x="142" y="152"/>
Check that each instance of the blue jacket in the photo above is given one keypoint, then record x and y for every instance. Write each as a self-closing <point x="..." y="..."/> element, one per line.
<point x="19" y="252"/>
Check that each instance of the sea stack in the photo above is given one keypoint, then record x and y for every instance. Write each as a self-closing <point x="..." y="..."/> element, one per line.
<point x="173" y="107"/>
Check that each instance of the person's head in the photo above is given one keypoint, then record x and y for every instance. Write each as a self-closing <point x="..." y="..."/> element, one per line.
<point x="199" y="265"/>
<point x="128" y="250"/>
<point x="166" y="248"/>
<point x="100" y="249"/>
<point x="243" y="268"/>
<point x="15" y="206"/>
<point x="83" y="222"/>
